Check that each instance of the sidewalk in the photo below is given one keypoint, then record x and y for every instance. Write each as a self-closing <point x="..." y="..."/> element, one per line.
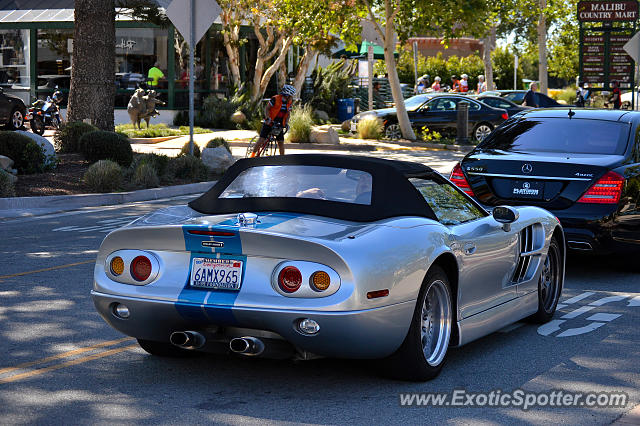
<point x="238" y="140"/>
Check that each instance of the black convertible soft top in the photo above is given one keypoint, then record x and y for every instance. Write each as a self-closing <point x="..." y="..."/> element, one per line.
<point x="392" y="194"/>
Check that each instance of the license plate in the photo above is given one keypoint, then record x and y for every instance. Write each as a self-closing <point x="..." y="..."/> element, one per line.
<point x="528" y="189"/>
<point x="353" y="127"/>
<point x="220" y="274"/>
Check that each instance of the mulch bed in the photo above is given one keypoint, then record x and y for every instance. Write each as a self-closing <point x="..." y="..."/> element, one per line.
<point x="66" y="179"/>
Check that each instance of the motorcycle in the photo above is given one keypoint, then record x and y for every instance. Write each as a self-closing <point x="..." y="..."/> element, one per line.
<point x="45" y="113"/>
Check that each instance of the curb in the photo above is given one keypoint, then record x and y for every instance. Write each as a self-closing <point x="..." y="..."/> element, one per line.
<point x="317" y="146"/>
<point x="58" y="203"/>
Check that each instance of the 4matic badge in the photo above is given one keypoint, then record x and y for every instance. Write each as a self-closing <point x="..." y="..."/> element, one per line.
<point x="212" y="244"/>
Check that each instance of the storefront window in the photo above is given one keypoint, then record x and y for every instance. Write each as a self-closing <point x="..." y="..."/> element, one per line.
<point x="14" y="63"/>
<point x="54" y="61"/>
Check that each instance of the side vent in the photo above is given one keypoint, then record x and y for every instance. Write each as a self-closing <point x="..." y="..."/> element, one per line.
<point x="531" y="244"/>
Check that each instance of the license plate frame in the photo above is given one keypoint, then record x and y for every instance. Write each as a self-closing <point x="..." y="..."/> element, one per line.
<point x="208" y="266"/>
<point x="527" y="189"/>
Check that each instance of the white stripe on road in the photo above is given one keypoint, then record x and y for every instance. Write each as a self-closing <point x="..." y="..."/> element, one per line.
<point x="635" y="301"/>
<point x="581" y="330"/>
<point x="550" y="327"/>
<point x="581" y="310"/>
<point x="560" y="306"/>
<point x="603" y="317"/>
<point x="607" y="299"/>
<point x="578" y="298"/>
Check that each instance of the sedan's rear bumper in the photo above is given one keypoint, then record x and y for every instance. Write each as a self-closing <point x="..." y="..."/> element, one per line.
<point x="370" y="333"/>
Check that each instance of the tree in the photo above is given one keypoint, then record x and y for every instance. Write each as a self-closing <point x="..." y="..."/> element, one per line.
<point x="408" y="17"/>
<point x="93" y="87"/>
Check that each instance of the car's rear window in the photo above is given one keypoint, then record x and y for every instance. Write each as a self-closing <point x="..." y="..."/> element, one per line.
<point x="560" y="135"/>
<point x="293" y="181"/>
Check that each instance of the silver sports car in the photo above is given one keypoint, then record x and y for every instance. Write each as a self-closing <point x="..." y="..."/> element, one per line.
<point x="324" y="255"/>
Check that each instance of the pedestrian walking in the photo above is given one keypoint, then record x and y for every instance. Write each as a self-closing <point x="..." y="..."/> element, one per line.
<point x="155" y="74"/>
<point x="615" y="96"/>
<point x="482" y="85"/>
<point x="464" y="83"/>
<point x="531" y="98"/>
<point x="436" y="84"/>
<point x="455" y="84"/>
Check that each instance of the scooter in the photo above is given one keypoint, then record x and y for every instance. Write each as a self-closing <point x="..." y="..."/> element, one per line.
<point x="46" y="113"/>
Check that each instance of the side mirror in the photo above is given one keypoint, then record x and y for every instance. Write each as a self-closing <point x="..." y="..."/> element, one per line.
<point x="505" y="215"/>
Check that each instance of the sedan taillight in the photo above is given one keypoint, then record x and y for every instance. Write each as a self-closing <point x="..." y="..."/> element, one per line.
<point x="505" y="116"/>
<point x="457" y="178"/>
<point x="606" y="190"/>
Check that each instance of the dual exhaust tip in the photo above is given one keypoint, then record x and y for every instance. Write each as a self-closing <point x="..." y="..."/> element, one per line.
<point x="250" y="346"/>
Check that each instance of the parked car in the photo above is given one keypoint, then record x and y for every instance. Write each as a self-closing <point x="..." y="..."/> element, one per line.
<point x="339" y="256"/>
<point x="517" y="97"/>
<point x="438" y="112"/>
<point x="502" y="103"/>
<point x="12" y="111"/>
<point x="581" y="165"/>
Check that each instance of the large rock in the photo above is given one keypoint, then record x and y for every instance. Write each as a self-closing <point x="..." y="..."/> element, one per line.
<point x="5" y="163"/>
<point x="47" y="147"/>
<point x="324" y="135"/>
<point x="321" y="115"/>
<point x="238" y="117"/>
<point x="11" y="177"/>
<point x="217" y="159"/>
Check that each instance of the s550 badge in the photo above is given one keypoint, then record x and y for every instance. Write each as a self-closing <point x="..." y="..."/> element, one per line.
<point x="212" y="244"/>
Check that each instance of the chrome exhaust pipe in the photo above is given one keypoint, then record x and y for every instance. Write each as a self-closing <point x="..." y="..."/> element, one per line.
<point x="250" y="346"/>
<point x="187" y="339"/>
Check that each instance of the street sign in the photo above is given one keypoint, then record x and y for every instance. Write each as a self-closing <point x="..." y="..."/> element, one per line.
<point x="632" y="47"/>
<point x="607" y="11"/>
<point x="206" y="11"/>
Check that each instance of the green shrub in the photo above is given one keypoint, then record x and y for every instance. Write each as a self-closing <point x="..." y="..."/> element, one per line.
<point x="155" y="131"/>
<point x="157" y="161"/>
<point x="67" y="139"/>
<point x="185" y="150"/>
<point x="146" y="176"/>
<point x="187" y="167"/>
<point x="216" y="142"/>
<point x="101" y="145"/>
<point x="370" y="127"/>
<point x="300" y="124"/>
<point x="104" y="176"/>
<point x="6" y="185"/>
<point x="216" y="113"/>
<point x="28" y="157"/>
<point x="568" y="95"/>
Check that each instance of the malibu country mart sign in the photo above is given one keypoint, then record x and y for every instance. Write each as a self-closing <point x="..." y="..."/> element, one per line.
<point x="603" y="11"/>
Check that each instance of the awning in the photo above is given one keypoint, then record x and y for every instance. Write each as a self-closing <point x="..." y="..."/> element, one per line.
<point x="361" y="52"/>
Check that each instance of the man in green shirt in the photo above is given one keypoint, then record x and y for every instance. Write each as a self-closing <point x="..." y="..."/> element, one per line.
<point x="155" y="74"/>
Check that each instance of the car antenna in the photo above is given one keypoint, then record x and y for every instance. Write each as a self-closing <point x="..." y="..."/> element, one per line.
<point x="571" y="113"/>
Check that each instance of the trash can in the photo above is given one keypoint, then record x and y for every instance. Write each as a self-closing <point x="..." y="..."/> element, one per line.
<point x="346" y="109"/>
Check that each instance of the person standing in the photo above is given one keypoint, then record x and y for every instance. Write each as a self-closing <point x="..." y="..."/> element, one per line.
<point x="464" y="83"/>
<point x="455" y="84"/>
<point x="155" y="74"/>
<point x="581" y="95"/>
<point x="530" y="98"/>
<point x="482" y="85"/>
<point x="436" y="84"/>
<point x="615" y="97"/>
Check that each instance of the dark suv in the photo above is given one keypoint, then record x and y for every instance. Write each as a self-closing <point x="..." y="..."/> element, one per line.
<point x="12" y="111"/>
<point x="582" y="165"/>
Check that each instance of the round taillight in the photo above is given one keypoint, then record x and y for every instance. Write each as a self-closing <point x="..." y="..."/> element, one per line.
<point x="320" y="281"/>
<point x="290" y="279"/>
<point x="117" y="265"/>
<point x="140" y="268"/>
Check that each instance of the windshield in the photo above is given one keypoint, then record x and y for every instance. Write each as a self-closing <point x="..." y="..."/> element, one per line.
<point x="559" y="135"/>
<point x="293" y="181"/>
<point x="415" y="102"/>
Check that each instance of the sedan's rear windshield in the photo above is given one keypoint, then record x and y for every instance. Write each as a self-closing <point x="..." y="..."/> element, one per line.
<point x="560" y="135"/>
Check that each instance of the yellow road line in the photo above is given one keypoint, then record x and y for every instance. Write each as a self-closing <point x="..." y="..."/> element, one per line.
<point x="47" y="269"/>
<point x="66" y="364"/>
<point x="64" y="355"/>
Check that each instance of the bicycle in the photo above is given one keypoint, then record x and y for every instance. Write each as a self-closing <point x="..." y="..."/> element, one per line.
<point x="270" y="146"/>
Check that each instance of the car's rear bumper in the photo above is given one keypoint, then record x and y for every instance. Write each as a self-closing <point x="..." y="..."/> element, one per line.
<point x="370" y="333"/>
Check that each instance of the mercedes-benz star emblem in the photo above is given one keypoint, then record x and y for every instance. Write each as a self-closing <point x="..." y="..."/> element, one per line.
<point x="527" y="168"/>
<point x="526" y="185"/>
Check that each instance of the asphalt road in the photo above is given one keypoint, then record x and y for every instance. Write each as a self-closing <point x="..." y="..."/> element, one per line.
<point x="61" y="364"/>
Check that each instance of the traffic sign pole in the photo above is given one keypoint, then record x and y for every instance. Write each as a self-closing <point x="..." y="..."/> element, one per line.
<point x="192" y="47"/>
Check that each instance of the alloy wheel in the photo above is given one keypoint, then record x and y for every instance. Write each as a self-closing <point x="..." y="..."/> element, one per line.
<point x="393" y="132"/>
<point x="482" y="131"/>
<point x="436" y="322"/>
<point x="549" y="279"/>
<point x="17" y="119"/>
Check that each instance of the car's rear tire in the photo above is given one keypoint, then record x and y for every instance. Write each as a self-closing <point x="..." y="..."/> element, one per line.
<point x="549" y="284"/>
<point x="423" y="352"/>
<point x="393" y="131"/>
<point x="16" y="120"/>
<point x="164" y="349"/>
<point x="481" y="131"/>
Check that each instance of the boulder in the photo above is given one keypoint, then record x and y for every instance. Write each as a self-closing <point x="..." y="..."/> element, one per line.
<point x="346" y="125"/>
<point x="47" y="147"/>
<point x="324" y="135"/>
<point x="238" y="117"/>
<point x="5" y="163"/>
<point x="218" y="159"/>
<point x="11" y="177"/>
<point x="321" y="115"/>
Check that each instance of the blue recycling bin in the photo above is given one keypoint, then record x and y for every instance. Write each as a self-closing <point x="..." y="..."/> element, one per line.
<point x="346" y="109"/>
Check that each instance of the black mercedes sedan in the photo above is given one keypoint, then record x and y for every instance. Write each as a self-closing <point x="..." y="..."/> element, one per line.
<point x="439" y="112"/>
<point x="498" y="102"/>
<point x="582" y="165"/>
